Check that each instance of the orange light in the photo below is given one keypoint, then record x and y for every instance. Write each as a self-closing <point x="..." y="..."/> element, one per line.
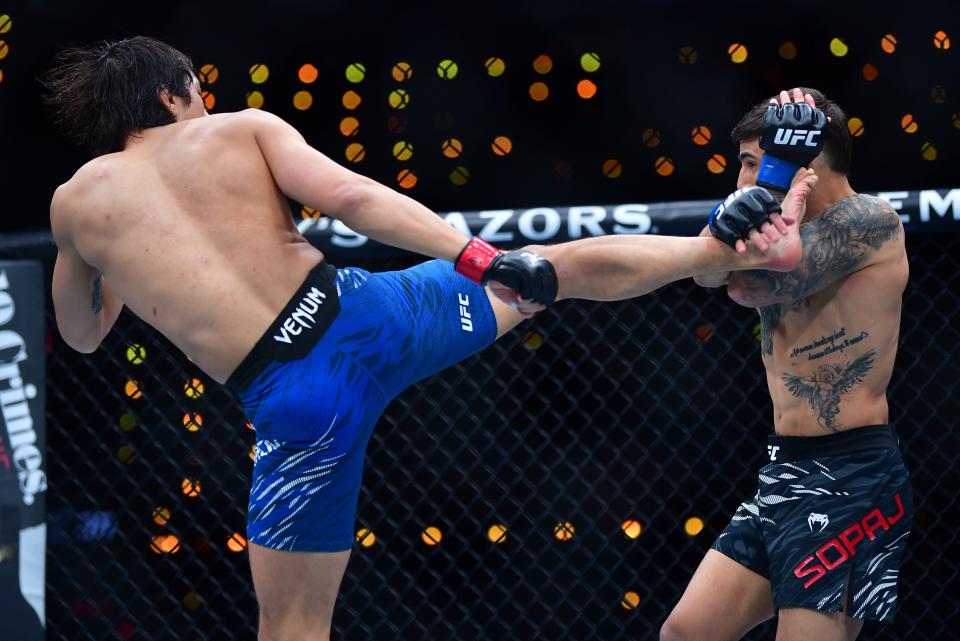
<point x="133" y="389"/>
<point x="351" y="100"/>
<point x="716" y="164"/>
<point x="208" y="74"/>
<point x="501" y="145"/>
<point x="941" y="40"/>
<point x="451" y="147"/>
<point x="432" y="535"/>
<point x="542" y="64"/>
<point x="236" y="542"/>
<point x="738" y="53"/>
<point x="539" y="91"/>
<point x="700" y="135"/>
<point x="651" y="138"/>
<point x="209" y="100"/>
<point x="366" y="537"/>
<point x="612" y="168"/>
<point x="855" y="126"/>
<point x="349" y="126"/>
<point x="664" y="166"/>
<point x="908" y="124"/>
<point x="190" y="487"/>
<point x="302" y="100"/>
<point x="870" y="72"/>
<point x="406" y="179"/>
<point x="308" y="74"/>
<point x="564" y="531"/>
<point x="402" y="71"/>
<point x="788" y="50"/>
<point x="355" y="152"/>
<point x="630" y="600"/>
<point x="165" y="544"/>
<point x="192" y="421"/>
<point x="631" y="528"/>
<point x="193" y="388"/>
<point x="586" y="89"/>
<point x="161" y="515"/>
<point x="693" y="526"/>
<point x="497" y="533"/>
<point x="888" y="43"/>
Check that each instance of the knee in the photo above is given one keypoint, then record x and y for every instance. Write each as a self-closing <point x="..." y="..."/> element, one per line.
<point x="272" y="629"/>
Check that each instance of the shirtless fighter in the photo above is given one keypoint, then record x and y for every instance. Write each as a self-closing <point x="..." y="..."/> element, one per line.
<point x="821" y="542"/>
<point x="183" y="218"/>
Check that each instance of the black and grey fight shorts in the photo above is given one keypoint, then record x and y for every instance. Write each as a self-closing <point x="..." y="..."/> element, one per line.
<point x="829" y="523"/>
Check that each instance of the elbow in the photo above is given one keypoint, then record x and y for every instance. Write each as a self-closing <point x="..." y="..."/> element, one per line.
<point x="83" y="342"/>
<point x="744" y="297"/>
<point x="352" y="198"/>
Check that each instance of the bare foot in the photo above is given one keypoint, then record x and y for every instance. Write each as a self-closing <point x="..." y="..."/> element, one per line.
<point x="786" y="255"/>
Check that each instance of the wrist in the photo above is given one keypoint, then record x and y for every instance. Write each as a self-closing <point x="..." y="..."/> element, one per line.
<point x="475" y="258"/>
<point x="776" y="173"/>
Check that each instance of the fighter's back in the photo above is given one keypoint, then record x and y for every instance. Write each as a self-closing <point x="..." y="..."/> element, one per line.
<point x="192" y="233"/>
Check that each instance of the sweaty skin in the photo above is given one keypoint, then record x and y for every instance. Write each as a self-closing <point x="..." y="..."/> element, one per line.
<point x="830" y="328"/>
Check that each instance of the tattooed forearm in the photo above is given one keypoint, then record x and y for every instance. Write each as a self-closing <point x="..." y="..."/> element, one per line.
<point x="96" y="297"/>
<point x="824" y="388"/>
<point x="834" y="245"/>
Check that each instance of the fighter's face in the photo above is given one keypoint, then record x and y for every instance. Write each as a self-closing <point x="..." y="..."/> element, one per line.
<point x="749" y="156"/>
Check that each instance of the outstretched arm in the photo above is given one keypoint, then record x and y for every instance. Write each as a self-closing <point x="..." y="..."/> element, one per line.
<point x="83" y="303"/>
<point x="366" y="206"/>
<point x="849" y="236"/>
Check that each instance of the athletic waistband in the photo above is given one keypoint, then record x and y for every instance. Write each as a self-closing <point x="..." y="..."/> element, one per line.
<point x="796" y="448"/>
<point x="297" y="328"/>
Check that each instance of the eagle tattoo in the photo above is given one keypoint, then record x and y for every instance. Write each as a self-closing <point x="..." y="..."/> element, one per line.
<point x="825" y="388"/>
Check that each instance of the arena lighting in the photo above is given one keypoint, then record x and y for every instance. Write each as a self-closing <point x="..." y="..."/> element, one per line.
<point x="355" y="152"/>
<point x="451" y="147"/>
<point x="447" y="69"/>
<point x="365" y="537"/>
<point x="407" y="179"/>
<point x="402" y="150"/>
<point x="611" y="168"/>
<point x="259" y="73"/>
<point x="716" y="164"/>
<point x="542" y="64"/>
<point x="855" y="125"/>
<point x="192" y="421"/>
<point x="497" y="533"/>
<point x="788" y="50"/>
<point x="838" y="47"/>
<point x="349" y="126"/>
<point x="564" y="531"/>
<point x="664" y="166"/>
<point x="700" y="135"/>
<point x="355" y="72"/>
<point x="908" y="124"/>
<point x="161" y="515"/>
<point x="590" y="62"/>
<point x="127" y="421"/>
<point x="586" y="89"/>
<point x="193" y="388"/>
<point x="351" y="100"/>
<point x="501" y="146"/>
<point x="631" y="528"/>
<point x="254" y="99"/>
<point x="208" y="74"/>
<point x="495" y="66"/>
<point x="888" y="43"/>
<point x="539" y="91"/>
<point x="737" y="53"/>
<point x="308" y="74"/>
<point x="693" y="526"/>
<point x="651" y="138"/>
<point x="302" y="100"/>
<point x="402" y="71"/>
<point x="630" y="601"/>
<point x="870" y="72"/>
<point x="431" y="535"/>
<point x="133" y="388"/>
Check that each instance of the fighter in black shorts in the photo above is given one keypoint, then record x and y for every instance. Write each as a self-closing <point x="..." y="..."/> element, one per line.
<point x="820" y="543"/>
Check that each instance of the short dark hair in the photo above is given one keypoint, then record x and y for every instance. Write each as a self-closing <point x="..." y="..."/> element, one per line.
<point x="837" y="146"/>
<point x="103" y="93"/>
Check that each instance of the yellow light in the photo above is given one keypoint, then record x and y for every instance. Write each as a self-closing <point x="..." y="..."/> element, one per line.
<point x="693" y="526"/>
<point x="351" y="100"/>
<point x="236" y="542"/>
<point x="688" y="56"/>
<point x="564" y="531"/>
<point x="539" y="91"/>
<point x="542" y="64"/>
<point x="193" y="388"/>
<point x="888" y="43"/>
<point x="928" y="151"/>
<point x="631" y="528"/>
<point x="501" y="145"/>
<point x="399" y="99"/>
<point x="308" y="74"/>
<point x="590" y="62"/>
<point x="259" y="74"/>
<point x="788" y="50"/>
<point x="757" y="332"/>
<point x="955" y="118"/>
<point x="133" y="389"/>
<point x="4" y="49"/>
<point x="406" y="179"/>
<point x="586" y="89"/>
<point x="254" y="99"/>
<point x="716" y="164"/>
<point x="127" y="421"/>
<point x="366" y="537"/>
<point x="402" y="71"/>
<point x="941" y="40"/>
<point x="208" y="74"/>
<point x="451" y="147"/>
<point x="870" y="72"/>
<point x="838" y="47"/>
<point x="302" y="100"/>
<point x="460" y="176"/>
<point x="497" y="533"/>
<point x="908" y="124"/>
<point x="126" y="454"/>
<point x="612" y="168"/>
<point x="209" y="100"/>
<point x="447" y="69"/>
<point x="192" y="421"/>
<point x="432" y="535"/>
<point x="532" y="340"/>
<point x="349" y="126"/>
<point x="5" y="23"/>
<point x="738" y="52"/>
<point x="700" y="135"/>
<point x="192" y="601"/>
<point x="402" y="150"/>
<point x="355" y="72"/>
<point x="630" y="600"/>
<point x="161" y="515"/>
<point x="136" y="353"/>
<point x="190" y="487"/>
<point x="855" y="126"/>
<point x="495" y="66"/>
<point x="355" y="152"/>
<point x="165" y="544"/>
<point x="664" y="166"/>
<point x="651" y="138"/>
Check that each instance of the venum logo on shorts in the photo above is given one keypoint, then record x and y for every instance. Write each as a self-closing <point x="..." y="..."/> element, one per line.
<point x="301" y="317"/>
<point x="837" y="550"/>
<point x="466" y="324"/>
<point x="793" y="136"/>
<point x="821" y="520"/>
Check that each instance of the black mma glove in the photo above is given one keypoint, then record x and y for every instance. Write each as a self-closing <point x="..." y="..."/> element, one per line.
<point x="743" y="210"/>
<point x="792" y="138"/>
<point x="530" y="275"/>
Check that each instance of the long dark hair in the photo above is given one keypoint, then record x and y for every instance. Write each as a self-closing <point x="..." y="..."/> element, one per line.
<point x="837" y="145"/>
<point x="103" y="93"/>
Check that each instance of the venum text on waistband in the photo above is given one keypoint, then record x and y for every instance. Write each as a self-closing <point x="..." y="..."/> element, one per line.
<point x="302" y="317"/>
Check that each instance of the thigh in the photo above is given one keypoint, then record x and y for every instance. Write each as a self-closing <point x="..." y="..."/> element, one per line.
<point x="296" y="591"/>
<point x="798" y="624"/>
<point x="722" y="602"/>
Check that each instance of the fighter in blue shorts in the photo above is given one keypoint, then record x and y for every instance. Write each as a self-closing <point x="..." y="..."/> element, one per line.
<point x="184" y="219"/>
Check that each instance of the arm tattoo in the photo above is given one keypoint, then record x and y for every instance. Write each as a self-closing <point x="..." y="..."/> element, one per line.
<point x="825" y="387"/>
<point x="96" y="297"/>
<point x="834" y="245"/>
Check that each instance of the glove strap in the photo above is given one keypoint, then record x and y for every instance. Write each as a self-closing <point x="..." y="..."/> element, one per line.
<point x="713" y="217"/>
<point x="474" y="259"/>
<point x="776" y="173"/>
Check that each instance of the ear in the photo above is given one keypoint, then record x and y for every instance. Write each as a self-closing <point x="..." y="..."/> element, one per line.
<point x="167" y="98"/>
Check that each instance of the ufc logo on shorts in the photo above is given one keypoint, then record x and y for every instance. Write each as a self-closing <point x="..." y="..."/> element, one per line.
<point x="793" y="137"/>
<point x="465" y="323"/>
<point x="772" y="451"/>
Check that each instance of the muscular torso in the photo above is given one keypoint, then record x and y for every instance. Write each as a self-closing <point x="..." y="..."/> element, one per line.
<point x="829" y="356"/>
<point x="190" y="231"/>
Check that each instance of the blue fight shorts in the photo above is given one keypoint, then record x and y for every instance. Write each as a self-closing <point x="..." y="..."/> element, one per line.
<point x="316" y="383"/>
<point x="829" y="523"/>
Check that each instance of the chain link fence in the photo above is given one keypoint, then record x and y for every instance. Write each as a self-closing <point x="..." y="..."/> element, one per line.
<point x="563" y="484"/>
